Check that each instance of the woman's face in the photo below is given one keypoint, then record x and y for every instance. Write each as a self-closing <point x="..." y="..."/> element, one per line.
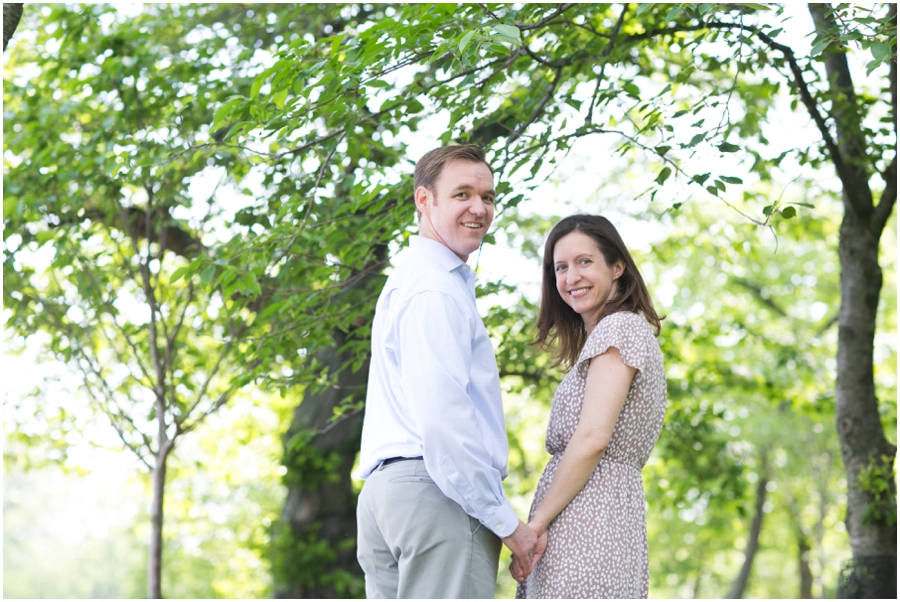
<point x="583" y="278"/>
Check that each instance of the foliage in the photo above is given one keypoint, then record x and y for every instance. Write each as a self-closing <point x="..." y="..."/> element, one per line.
<point x="876" y="478"/>
<point x="311" y="118"/>
<point x="300" y="559"/>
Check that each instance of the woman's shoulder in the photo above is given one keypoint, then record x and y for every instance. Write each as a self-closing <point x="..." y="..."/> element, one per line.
<point x="624" y="330"/>
<point x="628" y="320"/>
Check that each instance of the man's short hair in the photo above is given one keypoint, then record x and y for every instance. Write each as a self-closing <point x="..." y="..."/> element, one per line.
<point x="429" y="167"/>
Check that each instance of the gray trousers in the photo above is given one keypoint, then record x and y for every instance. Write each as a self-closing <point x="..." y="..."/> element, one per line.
<point x="414" y="542"/>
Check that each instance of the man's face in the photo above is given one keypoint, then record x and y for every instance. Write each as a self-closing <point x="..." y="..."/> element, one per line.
<point x="460" y="210"/>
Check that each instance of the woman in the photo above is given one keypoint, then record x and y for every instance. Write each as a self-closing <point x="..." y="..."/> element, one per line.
<point x="606" y="417"/>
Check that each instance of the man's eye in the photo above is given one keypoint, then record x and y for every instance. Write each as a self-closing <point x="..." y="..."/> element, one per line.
<point x="489" y="200"/>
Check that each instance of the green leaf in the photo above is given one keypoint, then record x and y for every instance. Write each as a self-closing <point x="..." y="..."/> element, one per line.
<point x="713" y="190"/>
<point x="414" y="106"/>
<point x="632" y="90"/>
<point x="727" y="147"/>
<point x="662" y="150"/>
<point x="819" y="47"/>
<point x="871" y="66"/>
<point x="664" y="175"/>
<point x="697" y="139"/>
<point x="788" y="212"/>
<point x="767" y="210"/>
<point x="464" y="42"/>
<point x="673" y="14"/>
<point x="642" y="8"/>
<point x="700" y="179"/>
<point x="257" y="84"/>
<point x="507" y="33"/>
<point x="731" y="180"/>
<point x="207" y="274"/>
<point x="177" y="274"/>
<point x="720" y="185"/>
<point x="279" y="97"/>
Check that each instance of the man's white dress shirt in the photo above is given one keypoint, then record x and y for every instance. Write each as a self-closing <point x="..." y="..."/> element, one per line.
<point x="434" y="389"/>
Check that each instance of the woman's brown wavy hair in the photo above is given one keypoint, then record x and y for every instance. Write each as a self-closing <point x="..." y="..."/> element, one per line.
<point x="557" y="322"/>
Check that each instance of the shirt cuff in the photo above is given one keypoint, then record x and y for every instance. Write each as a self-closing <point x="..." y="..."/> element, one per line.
<point x="503" y="522"/>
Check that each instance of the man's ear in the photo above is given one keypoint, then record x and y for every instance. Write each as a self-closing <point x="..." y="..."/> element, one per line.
<point x="422" y="195"/>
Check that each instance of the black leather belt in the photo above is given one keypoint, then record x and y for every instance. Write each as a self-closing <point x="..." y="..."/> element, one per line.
<point x="397" y="459"/>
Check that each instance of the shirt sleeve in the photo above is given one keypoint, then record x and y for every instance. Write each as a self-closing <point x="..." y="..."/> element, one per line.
<point x="435" y="359"/>
<point x="626" y="331"/>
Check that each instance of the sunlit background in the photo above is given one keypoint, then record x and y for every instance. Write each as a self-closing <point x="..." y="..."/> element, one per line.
<point x="75" y="519"/>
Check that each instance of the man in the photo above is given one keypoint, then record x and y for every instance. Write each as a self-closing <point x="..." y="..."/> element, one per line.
<point x="432" y="513"/>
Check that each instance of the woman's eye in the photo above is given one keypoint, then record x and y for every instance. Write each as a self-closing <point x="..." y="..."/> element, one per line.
<point x="560" y="268"/>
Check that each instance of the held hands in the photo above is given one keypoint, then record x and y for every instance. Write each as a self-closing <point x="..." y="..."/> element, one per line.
<point x="534" y="537"/>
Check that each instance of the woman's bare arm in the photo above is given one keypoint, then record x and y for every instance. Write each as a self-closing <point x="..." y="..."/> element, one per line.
<point x="606" y="387"/>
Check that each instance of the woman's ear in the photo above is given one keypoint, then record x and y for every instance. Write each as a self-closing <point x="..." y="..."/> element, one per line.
<point x="619" y="268"/>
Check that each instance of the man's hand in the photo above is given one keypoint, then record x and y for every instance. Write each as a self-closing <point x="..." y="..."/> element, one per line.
<point x="516" y="568"/>
<point x="522" y="544"/>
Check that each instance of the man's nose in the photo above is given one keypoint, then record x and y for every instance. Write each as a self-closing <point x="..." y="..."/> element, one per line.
<point x="476" y="207"/>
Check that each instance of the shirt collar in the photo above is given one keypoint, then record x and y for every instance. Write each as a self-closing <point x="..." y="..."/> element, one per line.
<point x="434" y="250"/>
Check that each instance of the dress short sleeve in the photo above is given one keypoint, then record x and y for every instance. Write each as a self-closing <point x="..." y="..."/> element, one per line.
<point x="628" y="332"/>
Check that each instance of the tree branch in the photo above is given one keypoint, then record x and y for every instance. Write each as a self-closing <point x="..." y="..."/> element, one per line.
<point x="134" y="224"/>
<point x="50" y="309"/>
<point x="159" y="386"/>
<point x="758" y="293"/>
<point x="844" y="172"/>
<point x="888" y="197"/>
<point x="538" y="109"/>
<point x="604" y="57"/>
<point x="312" y="200"/>
<point x="849" y="155"/>
<point x="560" y="10"/>
<point x="892" y="77"/>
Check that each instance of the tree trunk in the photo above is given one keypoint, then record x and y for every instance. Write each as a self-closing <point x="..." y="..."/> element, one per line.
<point x="740" y="584"/>
<point x="806" y="577"/>
<point x="873" y="538"/>
<point x="12" y="13"/>
<point x="323" y="507"/>
<point x="803" y="549"/>
<point x="154" y="560"/>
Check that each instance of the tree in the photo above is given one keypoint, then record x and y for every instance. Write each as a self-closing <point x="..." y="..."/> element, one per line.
<point x="529" y="80"/>
<point x="99" y="174"/>
<point x="129" y="130"/>
<point x="324" y="101"/>
<point x="12" y="13"/>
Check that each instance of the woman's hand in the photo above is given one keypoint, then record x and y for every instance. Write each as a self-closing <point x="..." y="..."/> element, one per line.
<point x="515" y="568"/>
<point x="541" y="546"/>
